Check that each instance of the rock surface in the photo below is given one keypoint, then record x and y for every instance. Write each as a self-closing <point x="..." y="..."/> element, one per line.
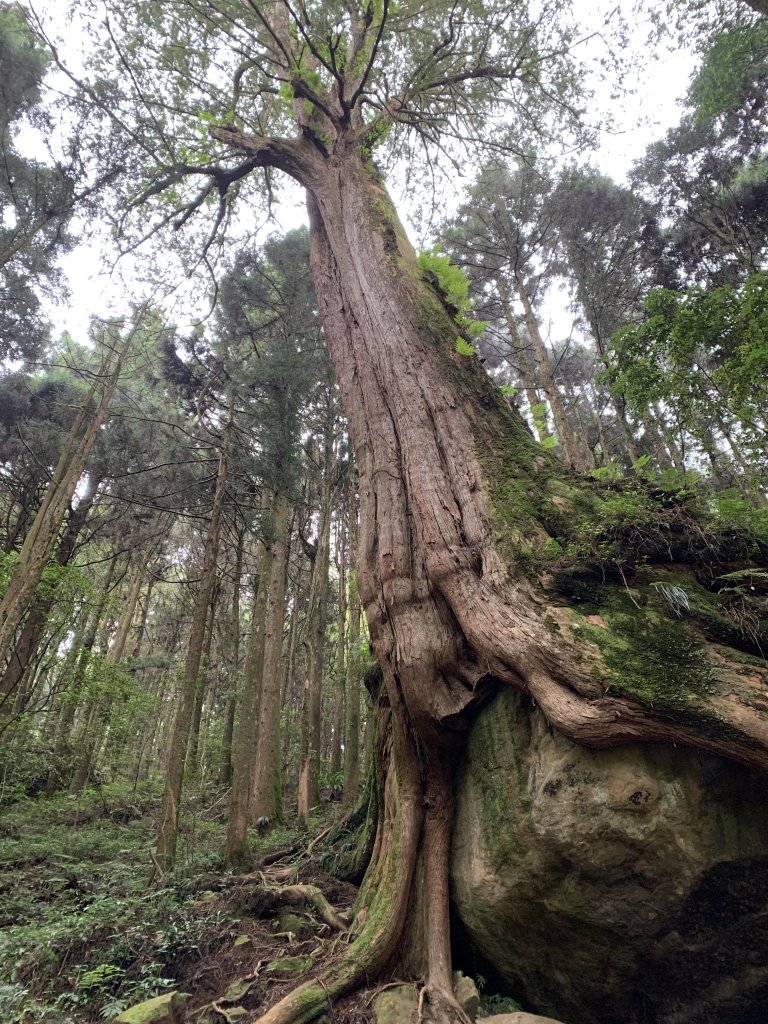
<point x="466" y="994"/>
<point x="165" y="1009"/>
<point x="397" y="1005"/>
<point x="612" y="887"/>
<point x="517" y="1018"/>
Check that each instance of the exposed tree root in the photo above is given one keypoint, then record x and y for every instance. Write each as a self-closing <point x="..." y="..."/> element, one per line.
<point x="294" y="894"/>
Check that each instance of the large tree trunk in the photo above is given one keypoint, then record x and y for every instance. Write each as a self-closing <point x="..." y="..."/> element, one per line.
<point x="447" y="618"/>
<point x="454" y="491"/>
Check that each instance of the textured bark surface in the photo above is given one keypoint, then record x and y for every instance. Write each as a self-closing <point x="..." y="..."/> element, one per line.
<point x="245" y="733"/>
<point x="267" y="780"/>
<point x="309" y="743"/>
<point x="447" y="618"/>
<point x="453" y="490"/>
<point x="352" y="682"/>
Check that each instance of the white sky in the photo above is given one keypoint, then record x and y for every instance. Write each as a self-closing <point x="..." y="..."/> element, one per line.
<point x="640" y="117"/>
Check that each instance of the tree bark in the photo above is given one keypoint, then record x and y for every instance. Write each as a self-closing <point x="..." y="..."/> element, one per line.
<point x="97" y="721"/>
<point x="309" y="752"/>
<point x="524" y="368"/>
<point x="225" y="771"/>
<point x="352" y="723"/>
<point x="75" y="666"/>
<point x="238" y="854"/>
<point x="41" y="538"/>
<point x="339" y="674"/>
<point x="267" y="794"/>
<point x="440" y="453"/>
<point x="205" y="666"/>
<point x="34" y="625"/>
<point x="444" y="616"/>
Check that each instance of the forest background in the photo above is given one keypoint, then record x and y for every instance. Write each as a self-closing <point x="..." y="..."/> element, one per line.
<point x="181" y="500"/>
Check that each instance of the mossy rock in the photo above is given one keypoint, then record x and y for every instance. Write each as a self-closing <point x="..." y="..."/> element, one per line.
<point x="517" y="1018"/>
<point x="617" y="885"/>
<point x="288" y="967"/>
<point x="165" y="1009"/>
<point x="397" y="1005"/>
<point x="467" y="995"/>
<point x="290" y="922"/>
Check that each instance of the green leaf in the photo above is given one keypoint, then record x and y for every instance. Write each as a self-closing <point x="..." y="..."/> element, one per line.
<point x="464" y="348"/>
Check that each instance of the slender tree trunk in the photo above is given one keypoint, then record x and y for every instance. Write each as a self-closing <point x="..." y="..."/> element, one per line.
<point x="225" y="771"/>
<point x="74" y="670"/>
<point x="575" y="447"/>
<point x="309" y="753"/>
<point x="142" y="627"/>
<point x="205" y="665"/>
<point x="267" y="793"/>
<point x="167" y="834"/>
<point x="34" y="625"/>
<point x="670" y="441"/>
<point x="524" y="368"/>
<point x="747" y="470"/>
<point x="41" y="538"/>
<point x="238" y="854"/>
<point x="289" y="672"/>
<point x="98" y="720"/>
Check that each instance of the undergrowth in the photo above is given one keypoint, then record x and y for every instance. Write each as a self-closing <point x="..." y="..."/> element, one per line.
<point x="82" y="937"/>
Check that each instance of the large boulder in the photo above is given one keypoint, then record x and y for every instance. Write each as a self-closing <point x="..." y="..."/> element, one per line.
<point x="612" y="887"/>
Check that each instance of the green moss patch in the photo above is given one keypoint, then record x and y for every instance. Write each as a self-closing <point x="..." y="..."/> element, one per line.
<point x="651" y="657"/>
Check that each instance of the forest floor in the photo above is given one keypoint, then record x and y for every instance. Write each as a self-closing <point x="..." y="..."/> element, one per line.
<point x="82" y="937"/>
